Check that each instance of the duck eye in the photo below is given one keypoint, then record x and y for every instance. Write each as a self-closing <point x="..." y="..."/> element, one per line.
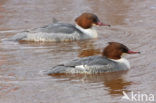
<point x="124" y="50"/>
<point x="95" y="20"/>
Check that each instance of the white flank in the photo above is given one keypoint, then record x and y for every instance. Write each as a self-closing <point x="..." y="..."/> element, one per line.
<point x="80" y="67"/>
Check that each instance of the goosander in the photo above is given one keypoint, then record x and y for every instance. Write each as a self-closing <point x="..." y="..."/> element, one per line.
<point x="110" y="61"/>
<point x="55" y="32"/>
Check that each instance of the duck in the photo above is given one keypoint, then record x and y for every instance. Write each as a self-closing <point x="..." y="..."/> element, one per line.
<point x="111" y="60"/>
<point x="57" y="32"/>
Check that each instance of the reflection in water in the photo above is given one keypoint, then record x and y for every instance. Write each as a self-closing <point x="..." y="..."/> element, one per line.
<point x="84" y="48"/>
<point x="116" y="86"/>
<point x="114" y="81"/>
<point x="87" y="48"/>
<point x="89" y="52"/>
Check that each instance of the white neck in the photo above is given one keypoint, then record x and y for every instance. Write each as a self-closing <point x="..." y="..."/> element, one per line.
<point x="91" y="32"/>
<point x="124" y="62"/>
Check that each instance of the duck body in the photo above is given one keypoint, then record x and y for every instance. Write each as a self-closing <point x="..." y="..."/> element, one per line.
<point x="111" y="60"/>
<point x="56" y="31"/>
<point x="91" y="65"/>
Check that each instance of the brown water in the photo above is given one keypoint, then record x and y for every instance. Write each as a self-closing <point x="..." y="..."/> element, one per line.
<point x="133" y="23"/>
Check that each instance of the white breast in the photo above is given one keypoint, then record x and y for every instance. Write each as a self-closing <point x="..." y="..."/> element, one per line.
<point x="123" y="62"/>
<point x="91" y="32"/>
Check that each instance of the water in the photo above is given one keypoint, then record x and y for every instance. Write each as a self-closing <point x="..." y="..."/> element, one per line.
<point x="133" y="24"/>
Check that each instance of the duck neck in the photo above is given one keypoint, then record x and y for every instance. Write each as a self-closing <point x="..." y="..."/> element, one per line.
<point x="91" y="32"/>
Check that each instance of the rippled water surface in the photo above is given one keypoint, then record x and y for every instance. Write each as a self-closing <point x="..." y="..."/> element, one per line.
<point x="21" y="81"/>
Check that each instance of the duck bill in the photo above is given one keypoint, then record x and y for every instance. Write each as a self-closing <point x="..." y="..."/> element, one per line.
<point x="102" y="24"/>
<point x="133" y="52"/>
